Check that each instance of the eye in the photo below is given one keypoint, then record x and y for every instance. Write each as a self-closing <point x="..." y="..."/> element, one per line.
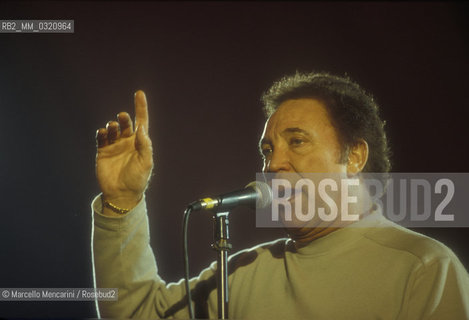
<point x="296" y="141"/>
<point x="266" y="151"/>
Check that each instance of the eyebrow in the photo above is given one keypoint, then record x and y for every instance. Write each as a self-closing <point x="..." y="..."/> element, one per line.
<point x="287" y="130"/>
<point x="296" y="130"/>
<point x="262" y="142"/>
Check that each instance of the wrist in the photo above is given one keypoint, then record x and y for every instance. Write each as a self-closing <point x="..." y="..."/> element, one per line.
<point x="119" y="205"/>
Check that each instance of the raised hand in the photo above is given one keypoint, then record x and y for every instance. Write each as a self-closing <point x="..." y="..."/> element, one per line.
<point x="124" y="159"/>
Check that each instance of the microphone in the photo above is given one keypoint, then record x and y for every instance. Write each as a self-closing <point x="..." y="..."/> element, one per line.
<point x="255" y="194"/>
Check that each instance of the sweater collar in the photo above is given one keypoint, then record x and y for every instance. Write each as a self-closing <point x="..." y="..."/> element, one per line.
<point x="342" y="237"/>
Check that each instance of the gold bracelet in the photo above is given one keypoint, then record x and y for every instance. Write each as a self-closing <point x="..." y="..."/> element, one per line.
<point x="113" y="207"/>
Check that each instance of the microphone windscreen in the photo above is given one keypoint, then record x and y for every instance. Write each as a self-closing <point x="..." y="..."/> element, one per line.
<point x="264" y="193"/>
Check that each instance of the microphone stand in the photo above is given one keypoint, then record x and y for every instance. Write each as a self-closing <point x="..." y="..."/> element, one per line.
<point x="221" y="245"/>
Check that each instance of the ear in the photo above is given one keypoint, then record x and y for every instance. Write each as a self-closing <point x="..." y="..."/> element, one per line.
<point x="357" y="157"/>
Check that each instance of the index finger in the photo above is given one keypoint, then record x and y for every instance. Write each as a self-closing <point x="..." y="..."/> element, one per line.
<point x="141" y="110"/>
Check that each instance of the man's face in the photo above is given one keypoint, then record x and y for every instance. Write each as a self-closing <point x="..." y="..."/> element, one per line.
<point x="299" y="141"/>
<point x="299" y="138"/>
<point x="300" y="144"/>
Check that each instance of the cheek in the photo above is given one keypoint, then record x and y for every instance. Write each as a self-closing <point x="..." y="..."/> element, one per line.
<point x="266" y="164"/>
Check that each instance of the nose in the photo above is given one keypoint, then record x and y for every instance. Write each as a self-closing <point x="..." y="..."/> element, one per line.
<point x="278" y="162"/>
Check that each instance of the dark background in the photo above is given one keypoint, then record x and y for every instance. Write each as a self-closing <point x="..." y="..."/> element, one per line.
<point x="203" y="67"/>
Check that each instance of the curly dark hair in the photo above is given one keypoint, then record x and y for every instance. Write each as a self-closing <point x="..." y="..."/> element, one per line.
<point x="353" y="112"/>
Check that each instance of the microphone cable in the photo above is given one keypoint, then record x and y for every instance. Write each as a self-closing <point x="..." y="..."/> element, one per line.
<point x="187" y="213"/>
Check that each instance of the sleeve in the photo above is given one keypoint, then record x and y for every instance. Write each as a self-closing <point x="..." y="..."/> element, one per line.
<point x="123" y="259"/>
<point x="439" y="290"/>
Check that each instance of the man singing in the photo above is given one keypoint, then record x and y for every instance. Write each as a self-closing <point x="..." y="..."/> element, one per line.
<point x="316" y="123"/>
